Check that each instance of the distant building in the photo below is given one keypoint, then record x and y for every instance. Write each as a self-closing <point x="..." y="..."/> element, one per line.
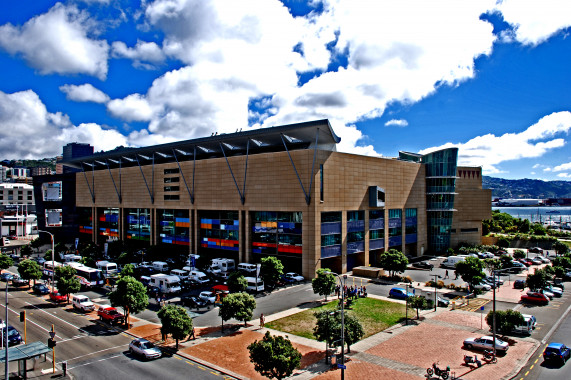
<point x="519" y="202"/>
<point x="40" y="170"/>
<point x="3" y="173"/>
<point x="16" y="194"/>
<point x="75" y="150"/>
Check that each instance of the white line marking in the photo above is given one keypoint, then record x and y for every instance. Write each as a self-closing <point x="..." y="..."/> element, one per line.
<point x="96" y="352"/>
<point x="93" y="362"/>
<point x="58" y="318"/>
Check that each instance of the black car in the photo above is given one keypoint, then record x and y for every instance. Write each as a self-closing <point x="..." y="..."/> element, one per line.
<point x="535" y="250"/>
<point x="192" y="301"/>
<point x="516" y="267"/>
<point x="423" y="265"/>
<point x="188" y="284"/>
<point x="14" y="336"/>
<point x="519" y="284"/>
<point x="40" y="289"/>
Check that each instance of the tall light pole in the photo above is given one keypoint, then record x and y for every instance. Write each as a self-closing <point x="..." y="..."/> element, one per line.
<point x="53" y="257"/>
<point x="342" y="321"/>
<point x="435" y="288"/>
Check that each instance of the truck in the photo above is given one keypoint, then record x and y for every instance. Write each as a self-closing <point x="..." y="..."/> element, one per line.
<point x="225" y="265"/>
<point x="107" y="268"/>
<point x="110" y="315"/>
<point x="161" y="266"/>
<point x="166" y="283"/>
<point x="451" y="261"/>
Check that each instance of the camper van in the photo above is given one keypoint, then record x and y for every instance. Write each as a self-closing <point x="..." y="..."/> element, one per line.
<point x="166" y="283"/>
<point x="527" y="326"/>
<point x="71" y="258"/>
<point x="451" y="261"/>
<point x="107" y="268"/>
<point x="161" y="266"/>
<point x="198" y="276"/>
<point x="181" y="273"/>
<point x="255" y="285"/>
<point x="247" y="268"/>
<point x="225" y="265"/>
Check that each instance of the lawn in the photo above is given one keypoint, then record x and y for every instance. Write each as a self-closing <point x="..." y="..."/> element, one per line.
<point x="375" y="315"/>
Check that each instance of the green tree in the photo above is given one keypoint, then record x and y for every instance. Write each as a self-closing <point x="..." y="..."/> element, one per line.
<point x="36" y="243"/>
<point x="537" y="280"/>
<point x="175" y="321"/>
<point x="393" y="261"/>
<point x="561" y="261"/>
<point x="237" y="282"/>
<point x="354" y="331"/>
<point x="506" y="261"/>
<point x="560" y="248"/>
<point x="471" y="270"/>
<point x="61" y="248"/>
<point x="503" y="242"/>
<point x="274" y="356"/>
<point x="48" y="255"/>
<point x="418" y="302"/>
<point x="128" y="270"/>
<point x="519" y="254"/>
<point x="5" y="261"/>
<point x="239" y="306"/>
<point x="506" y="320"/>
<point x="129" y="294"/>
<point x="324" y="283"/>
<point x="26" y="251"/>
<point x="29" y="270"/>
<point x="271" y="270"/>
<point x="328" y="328"/>
<point x="67" y="282"/>
<point x="538" y="229"/>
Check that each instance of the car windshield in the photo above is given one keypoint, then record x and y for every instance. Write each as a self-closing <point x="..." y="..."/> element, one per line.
<point x="550" y="350"/>
<point x="147" y="345"/>
<point x="113" y="312"/>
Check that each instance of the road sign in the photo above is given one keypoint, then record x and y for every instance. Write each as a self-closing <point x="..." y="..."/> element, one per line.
<point x="482" y="308"/>
<point x="52" y="334"/>
<point x="342" y="366"/>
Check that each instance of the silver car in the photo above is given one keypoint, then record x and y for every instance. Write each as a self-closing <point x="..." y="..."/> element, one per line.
<point x="143" y="347"/>
<point x="486" y="343"/>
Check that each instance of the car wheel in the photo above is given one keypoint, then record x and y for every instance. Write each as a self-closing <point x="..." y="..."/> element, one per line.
<point x="468" y="346"/>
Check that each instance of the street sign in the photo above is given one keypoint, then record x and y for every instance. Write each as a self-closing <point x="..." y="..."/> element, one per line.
<point x="52" y="334"/>
<point x="342" y="366"/>
<point x="482" y="308"/>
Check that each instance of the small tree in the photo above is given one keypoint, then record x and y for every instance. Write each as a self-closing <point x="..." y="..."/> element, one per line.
<point x="274" y="356"/>
<point x="324" y="283"/>
<point x="131" y="295"/>
<point x="271" y="270"/>
<point x="328" y="328"/>
<point x="176" y="321"/>
<point x="394" y="261"/>
<point x="237" y="282"/>
<point x="239" y="306"/>
<point x="353" y="331"/>
<point x="506" y="261"/>
<point x="519" y="254"/>
<point x="67" y="282"/>
<point x="560" y="248"/>
<point x="48" y="255"/>
<point x="537" y="280"/>
<point x="26" y="251"/>
<point x="325" y="329"/>
<point x="506" y="320"/>
<point x="36" y="243"/>
<point x="471" y="270"/>
<point x="5" y="261"/>
<point x="503" y="242"/>
<point x="30" y="270"/>
<point x="128" y="270"/>
<point x="418" y="302"/>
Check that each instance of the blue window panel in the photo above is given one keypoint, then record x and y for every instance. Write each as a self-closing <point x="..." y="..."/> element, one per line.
<point x="376" y="244"/>
<point x="331" y="251"/>
<point x="354" y="247"/>
<point x="410" y="238"/>
<point x="376" y="224"/>
<point x="411" y="221"/>
<point x="351" y="262"/>
<point x="356" y="226"/>
<point x="395" y="223"/>
<point x="330" y="228"/>
<point x="394" y="241"/>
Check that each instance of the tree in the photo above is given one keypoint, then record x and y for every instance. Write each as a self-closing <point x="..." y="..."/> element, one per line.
<point x="503" y="242"/>
<point x="560" y="248"/>
<point x="67" y="282"/>
<point x="131" y="295"/>
<point x="239" y="306"/>
<point x="506" y="261"/>
<point x="519" y="254"/>
<point x="48" y="255"/>
<point x="61" y="248"/>
<point x="128" y="270"/>
<point x="506" y="320"/>
<point x="418" y="302"/>
<point x="471" y="270"/>
<point x="5" y="261"/>
<point x="237" y="282"/>
<point x="175" y="321"/>
<point x="324" y="283"/>
<point x="26" y="250"/>
<point x="537" y="280"/>
<point x="328" y="328"/>
<point x="274" y="356"/>
<point x="271" y="270"/>
<point x="394" y="261"/>
<point x="353" y="331"/>
<point x="36" y="243"/>
<point x="30" y="270"/>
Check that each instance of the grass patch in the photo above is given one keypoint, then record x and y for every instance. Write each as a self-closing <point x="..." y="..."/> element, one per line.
<point x="375" y="315"/>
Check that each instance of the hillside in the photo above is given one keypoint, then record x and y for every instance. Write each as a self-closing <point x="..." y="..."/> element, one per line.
<point x="526" y="188"/>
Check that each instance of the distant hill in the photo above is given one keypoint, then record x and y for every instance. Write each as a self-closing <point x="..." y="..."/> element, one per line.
<point x="526" y="188"/>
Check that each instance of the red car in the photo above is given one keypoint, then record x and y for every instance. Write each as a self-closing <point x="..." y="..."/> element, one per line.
<point x="535" y="297"/>
<point x="56" y="297"/>
<point x="525" y="262"/>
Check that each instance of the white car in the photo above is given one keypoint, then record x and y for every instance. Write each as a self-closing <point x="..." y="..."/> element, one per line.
<point x="294" y="276"/>
<point x="144" y="348"/>
<point x="544" y="260"/>
<point x="486" y="343"/>
<point x="483" y="286"/>
<point x="207" y="297"/>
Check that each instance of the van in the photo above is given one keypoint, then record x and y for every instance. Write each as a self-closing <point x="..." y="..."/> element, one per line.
<point x="5" y="241"/>
<point x="191" y="257"/>
<point x="81" y="302"/>
<point x="247" y="268"/>
<point x="107" y="268"/>
<point x="161" y="266"/>
<point x="166" y="283"/>
<point x="528" y="325"/>
<point x="451" y="261"/>
<point x="181" y="273"/>
<point x="225" y="265"/>
<point x="198" y="276"/>
<point x="71" y="258"/>
<point x="255" y="285"/>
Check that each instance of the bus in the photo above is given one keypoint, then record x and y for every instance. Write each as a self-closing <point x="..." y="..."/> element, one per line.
<point x="49" y="268"/>
<point x="88" y="276"/>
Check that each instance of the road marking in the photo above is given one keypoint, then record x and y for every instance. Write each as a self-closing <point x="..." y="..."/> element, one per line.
<point x="530" y="368"/>
<point x="74" y="338"/>
<point x="526" y="373"/>
<point x="176" y="357"/>
<point x="93" y="362"/>
<point x="29" y="320"/>
<point x="96" y="352"/>
<point x="535" y="361"/>
<point x="58" y="318"/>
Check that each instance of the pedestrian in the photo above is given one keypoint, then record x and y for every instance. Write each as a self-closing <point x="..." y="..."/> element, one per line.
<point x="455" y="275"/>
<point x="262" y="321"/>
<point x="192" y="334"/>
<point x="446" y="275"/>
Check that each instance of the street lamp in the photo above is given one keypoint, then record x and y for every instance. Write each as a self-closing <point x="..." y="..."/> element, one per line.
<point x="342" y="285"/>
<point x="53" y="257"/>
<point x="496" y="272"/>
<point x="435" y="296"/>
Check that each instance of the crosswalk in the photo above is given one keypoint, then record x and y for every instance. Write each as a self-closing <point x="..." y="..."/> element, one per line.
<point x="471" y="304"/>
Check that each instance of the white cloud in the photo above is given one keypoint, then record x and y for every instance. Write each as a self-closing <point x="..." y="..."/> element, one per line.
<point x="132" y="108"/>
<point x="58" y="42"/>
<point x="536" y="166"/>
<point x="397" y="123"/>
<point x="489" y="150"/>
<point x="141" y="53"/>
<point x="28" y="130"/>
<point x="562" y="167"/>
<point x="564" y="175"/>
<point x="84" y="93"/>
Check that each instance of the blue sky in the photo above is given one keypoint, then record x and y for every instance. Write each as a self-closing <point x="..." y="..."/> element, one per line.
<point x="490" y="77"/>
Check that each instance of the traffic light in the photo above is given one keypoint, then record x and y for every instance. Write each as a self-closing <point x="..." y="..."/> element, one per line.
<point x="22" y="316"/>
<point x="51" y="343"/>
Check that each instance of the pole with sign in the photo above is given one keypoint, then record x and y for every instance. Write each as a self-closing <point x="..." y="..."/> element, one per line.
<point x="52" y="343"/>
<point x="481" y="317"/>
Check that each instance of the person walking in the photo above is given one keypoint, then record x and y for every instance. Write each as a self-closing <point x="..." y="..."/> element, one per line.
<point x="262" y="321"/>
<point x="446" y="275"/>
<point x="192" y="334"/>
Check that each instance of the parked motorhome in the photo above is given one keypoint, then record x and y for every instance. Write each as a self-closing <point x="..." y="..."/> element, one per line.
<point x="255" y="285"/>
<point x="161" y="266"/>
<point x="108" y="269"/>
<point x="225" y="265"/>
<point x="166" y="283"/>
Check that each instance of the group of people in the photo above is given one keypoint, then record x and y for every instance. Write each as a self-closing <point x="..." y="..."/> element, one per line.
<point x="351" y="292"/>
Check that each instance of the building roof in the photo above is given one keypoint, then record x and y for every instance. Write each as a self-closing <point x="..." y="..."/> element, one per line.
<point x="274" y="139"/>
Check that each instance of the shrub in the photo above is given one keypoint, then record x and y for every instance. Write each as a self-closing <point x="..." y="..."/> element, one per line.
<point x="440" y="284"/>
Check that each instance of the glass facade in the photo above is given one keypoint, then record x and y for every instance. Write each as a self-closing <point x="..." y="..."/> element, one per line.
<point x="355" y="231"/>
<point x="410" y="226"/>
<point x="85" y="221"/>
<point x="174" y="227"/>
<point x="138" y="224"/>
<point x="108" y="222"/>
<point x="395" y="227"/>
<point x="277" y="233"/>
<point x="220" y="230"/>
<point x="330" y="234"/>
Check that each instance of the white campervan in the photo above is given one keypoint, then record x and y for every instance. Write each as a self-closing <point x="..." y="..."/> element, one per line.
<point x="255" y="285"/>
<point x="247" y="268"/>
<point x="181" y="273"/>
<point x="71" y="258"/>
<point x="451" y="261"/>
<point x="166" y="283"/>
<point x="529" y="323"/>
<point x="161" y="266"/>
<point x="198" y="276"/>
<point x="225" y="265"/>
<point x="107" y="268"/>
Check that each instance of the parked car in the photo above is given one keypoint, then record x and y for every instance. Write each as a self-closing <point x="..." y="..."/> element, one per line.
<point x="188" y="284"/>
<point x="516" y="267"/>
<point x="442" y="302"/>
<point x="81" y="302"/>
<point x="493" y="285"/>
<point x="19" y="281"/>
<point x="14" y="336"/>
<point x="536" y="261"/>
<point x="296" y="277"/>
<point x="535" y="297"/>
<point x="557" y="292"/>
<point x="109" y="314"/>
<point x="192" y="301"/>
<point x="55" y="296"/>
<point x="39" y="260"/>
<point x="547" y="293"/>
<point x="286" y="280"/>
<point x="557" y="352"/>
<point x="6" y="277"/>
<point x="40" y="289"/>
<point x="208" y="297"/>
<point x="491" y="279"/>
<point x="423" y="265"/>
<point x="143" y="347"/>
<point x="486" y="343"/>
<point x="483" y="286"/>
<point x="544" y="260"/>
<point x="527" y="262"/>
<point x="519" y="284"/>
<point x="535" y="250"/>
<point x="400" y="293"/>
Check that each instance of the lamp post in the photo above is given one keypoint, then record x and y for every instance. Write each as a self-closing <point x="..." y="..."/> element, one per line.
<point x="435" y="296"/>
<point x="406" y="307"/>
<point x="342" y="321"/>
<point x="495" y="272"/>
<point x="53" y="256"/>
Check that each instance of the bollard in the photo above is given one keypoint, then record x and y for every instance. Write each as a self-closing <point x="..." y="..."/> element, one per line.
<point x="453" y="305"/>
<point x="64" y="368"/>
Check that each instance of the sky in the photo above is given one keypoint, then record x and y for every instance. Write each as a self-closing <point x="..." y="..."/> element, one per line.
<point x="489" y="77"/>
